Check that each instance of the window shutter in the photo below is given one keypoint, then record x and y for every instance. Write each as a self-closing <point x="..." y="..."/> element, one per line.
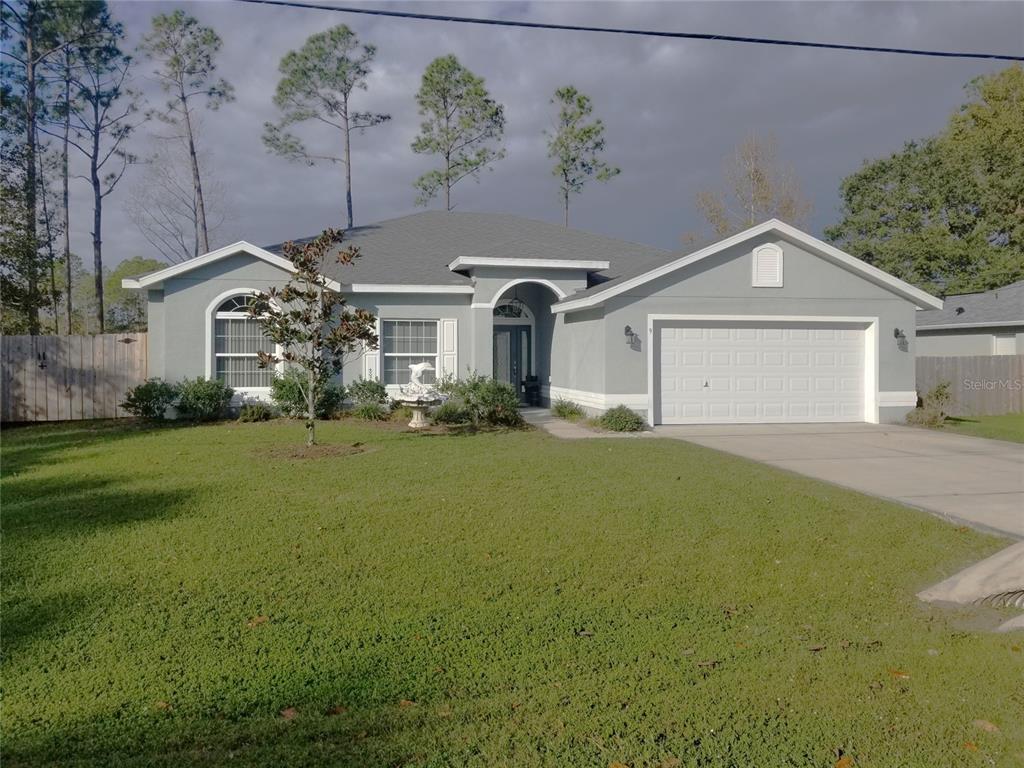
<point x="371" y="359"/>
<point x="768" y="266"/>
<point x="448" y="347"/>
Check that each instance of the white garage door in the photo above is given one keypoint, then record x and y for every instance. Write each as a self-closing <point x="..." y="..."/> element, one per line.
<point x="775" y="373"/>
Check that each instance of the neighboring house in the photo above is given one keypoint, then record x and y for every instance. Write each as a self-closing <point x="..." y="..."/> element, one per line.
<point x="988" y="323"/>
<point x="769" y="325"/>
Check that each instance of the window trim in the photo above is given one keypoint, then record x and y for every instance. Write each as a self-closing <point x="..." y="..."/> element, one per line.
<point x="212" y="315"/>
<point x="384" y="355"/>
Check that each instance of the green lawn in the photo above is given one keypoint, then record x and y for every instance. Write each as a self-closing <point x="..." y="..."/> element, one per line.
<point x="192" y="596"/>
<point x="1009" y="426"/>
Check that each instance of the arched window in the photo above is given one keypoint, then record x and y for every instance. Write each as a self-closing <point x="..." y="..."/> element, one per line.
<point x="513" y="311"/>
<point x="237" y="339"/>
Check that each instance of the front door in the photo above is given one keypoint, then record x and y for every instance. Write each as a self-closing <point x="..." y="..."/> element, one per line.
<point x="512" y="355"/>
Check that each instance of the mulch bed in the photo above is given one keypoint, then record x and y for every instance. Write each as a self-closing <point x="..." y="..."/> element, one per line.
<point x="313" y="451"/>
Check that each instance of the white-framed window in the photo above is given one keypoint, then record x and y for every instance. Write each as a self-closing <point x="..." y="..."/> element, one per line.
<point x="404" y="343"/>
<point x="237" y="340"/>
<point x="767" y="266"/>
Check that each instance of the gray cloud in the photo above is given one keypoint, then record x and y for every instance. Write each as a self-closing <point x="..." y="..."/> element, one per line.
<point x="673" y="109"/>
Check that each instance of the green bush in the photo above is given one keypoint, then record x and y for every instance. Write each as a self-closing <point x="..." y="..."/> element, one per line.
<point x="150" y="399"/>
<point x="368" y="391"/>
<point x="932" y="411"/>
<point x="621" y="419"/>
<point x="370" y="412"/>
<point x="451" y="412"/>
<point x="255" y="412"/>
<point x="489" y="402"/>
<point x="286" y="393"/>
<point x="567" y="409"/>
<point x="497" y="404"/>
<point x="203" y="399"/>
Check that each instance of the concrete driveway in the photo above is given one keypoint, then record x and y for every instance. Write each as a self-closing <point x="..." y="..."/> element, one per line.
<point x="966" y="479"/>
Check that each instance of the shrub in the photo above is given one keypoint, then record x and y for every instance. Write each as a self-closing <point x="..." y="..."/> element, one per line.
<point x="370" y="412"/>
<point x="932" y="411"/>
<point x="203" y="399"/>
<point x="622" y="419"/>
<point x="452" y="412"/>
<point x="255" y="411"/>
<point x="495" y="403"/>
<point x="490" y="402"/>
<point x="567" y="409"/>
<point x="286" y="393"/>
<point x="150" y="399"/>
<point x="368" y="391"/>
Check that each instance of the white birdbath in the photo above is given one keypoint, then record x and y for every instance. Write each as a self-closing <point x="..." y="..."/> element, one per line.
<point x="417" y="396"/>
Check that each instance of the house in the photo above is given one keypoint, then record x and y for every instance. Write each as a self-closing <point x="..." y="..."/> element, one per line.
<point x="768" y="325"/>
<point x="986" y="323"/>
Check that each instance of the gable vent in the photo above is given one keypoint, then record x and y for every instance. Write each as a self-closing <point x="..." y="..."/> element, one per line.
<point x="767" y="266"/>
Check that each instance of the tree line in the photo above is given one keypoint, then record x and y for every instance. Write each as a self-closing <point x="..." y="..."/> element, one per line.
<point x="944" y="213"/>
<point x="67" y="89"/>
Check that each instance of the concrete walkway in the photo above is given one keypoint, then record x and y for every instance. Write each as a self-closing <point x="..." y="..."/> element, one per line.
<point x="968" y="480"/>
<point x="542" y="419"/>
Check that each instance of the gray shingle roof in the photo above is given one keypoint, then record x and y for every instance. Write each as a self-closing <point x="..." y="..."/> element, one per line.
<point x="417" y="249"/>
<point x="1000" y="305"/>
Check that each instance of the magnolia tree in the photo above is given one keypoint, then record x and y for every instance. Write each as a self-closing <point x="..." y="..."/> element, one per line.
<point x="311" y="324"/>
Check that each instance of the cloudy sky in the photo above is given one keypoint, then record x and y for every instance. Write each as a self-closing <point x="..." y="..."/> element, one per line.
<point x="673" y="108"/>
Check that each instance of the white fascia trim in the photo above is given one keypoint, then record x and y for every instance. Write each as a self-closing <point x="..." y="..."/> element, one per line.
<point x="884" y="279"/>
<point x="598" y="400"/>
<point x="155" y="278"/>
<point x="399" y="288"/>
<point x="897" y="399"/>
<point x="871" y="400"/>
<point x="463" y="262"/>
<point x="959" y="326"/>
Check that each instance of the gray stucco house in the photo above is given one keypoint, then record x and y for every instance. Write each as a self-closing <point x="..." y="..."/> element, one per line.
<point x="986" y="323"/>
<point x="769" y="325"/>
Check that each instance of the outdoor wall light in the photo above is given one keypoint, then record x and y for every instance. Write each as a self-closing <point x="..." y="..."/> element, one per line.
<point x="631" y="338"/>
<point x="901" y="340"/>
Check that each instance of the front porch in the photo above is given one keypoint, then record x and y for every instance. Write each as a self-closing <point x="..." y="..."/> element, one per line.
<point x="515" y="338"/>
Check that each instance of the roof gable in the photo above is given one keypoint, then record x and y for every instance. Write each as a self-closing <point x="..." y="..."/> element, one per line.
<point x="602" y="292"/>
<point x="157" y="278"/>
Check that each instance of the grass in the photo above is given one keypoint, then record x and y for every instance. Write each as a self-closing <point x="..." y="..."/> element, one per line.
<point x="1009" y="426"/>
<point x="197" y="596"/>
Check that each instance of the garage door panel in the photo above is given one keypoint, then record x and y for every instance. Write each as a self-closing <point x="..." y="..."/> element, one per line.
<point x="753" y="374"/>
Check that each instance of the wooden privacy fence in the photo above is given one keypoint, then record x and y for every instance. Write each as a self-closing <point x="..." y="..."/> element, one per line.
<point x="981" y="386"/>
<point x="55" y="378"/>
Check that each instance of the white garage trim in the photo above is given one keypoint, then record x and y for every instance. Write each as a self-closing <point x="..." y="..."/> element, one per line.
<point x="871" y="399"/>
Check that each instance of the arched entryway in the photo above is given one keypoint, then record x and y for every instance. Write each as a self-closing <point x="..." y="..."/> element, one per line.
<point x="522" y="330"/>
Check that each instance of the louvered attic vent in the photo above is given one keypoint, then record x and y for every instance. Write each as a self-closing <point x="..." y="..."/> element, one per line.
<point x="767" y="266"/>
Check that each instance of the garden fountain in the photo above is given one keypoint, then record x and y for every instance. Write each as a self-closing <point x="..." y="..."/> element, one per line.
<point x="417" y="396"/>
